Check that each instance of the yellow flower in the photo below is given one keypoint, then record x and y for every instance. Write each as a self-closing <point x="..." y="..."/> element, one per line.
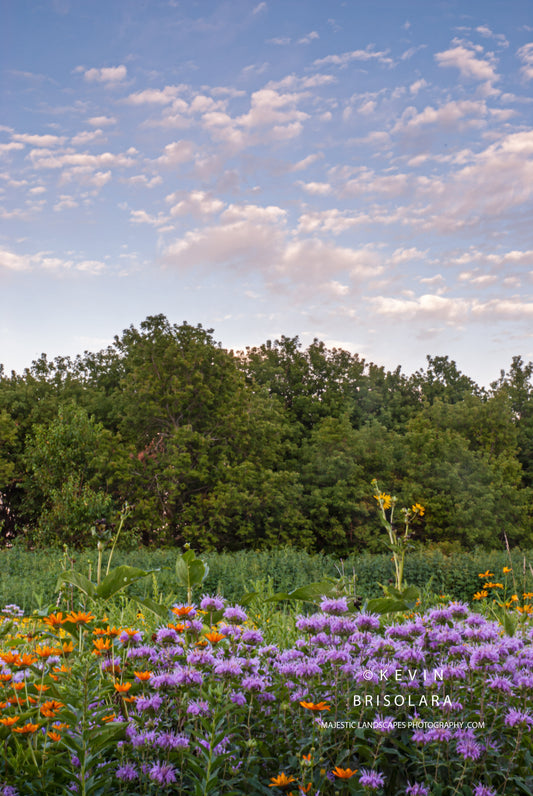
<point x="507" y="569"/>
<point x="418" y="509"/>
<point x="486" y="574"/>
<point x="494" y="585"/>
<point x="384" y="499"/>
<point x="281" y="781"/>
<point x="479" y="595"/>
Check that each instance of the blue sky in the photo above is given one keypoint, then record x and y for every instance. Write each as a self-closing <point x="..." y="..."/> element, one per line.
<point x="357" y="172"/>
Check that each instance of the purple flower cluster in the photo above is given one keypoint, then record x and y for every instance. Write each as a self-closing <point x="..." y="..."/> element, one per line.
<point x="434" y="667"/>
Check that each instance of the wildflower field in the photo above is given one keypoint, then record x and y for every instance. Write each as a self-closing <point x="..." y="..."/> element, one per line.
<point x="208" y="697"/>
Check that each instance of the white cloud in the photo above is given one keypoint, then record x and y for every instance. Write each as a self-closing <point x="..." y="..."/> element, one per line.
<point x="487" y="33"/>
<point x="316" y="188"/>
<point x="406" y="255"/>
<point x="39" y="140"/>
<point x="46" y="159"/>
<point x="300" y="165"/>
<point x="198" y="203"/>
<point x="155" y="96"/>
<point x="417" y="86"/>
<point x="14" y="262"/>
<point x="142" y="217"/>
<point x="110" y="75"/>
<point x="525" y="54"/>
<point x="87" y="137"/>
<point x="13" y="146"/>
<point x="90" y="266"/>
<point x="450" y="310"/>
<point x="308" y="38"/>
<point x="344" y="59"/>
<point x="445" y="115"/>
<point x="466" y="59"/>
<point x="177" y="153"/>
<point x="259" y="7"/>
<point x="367" y="107"/>
<point x="65" y="203"/>
<point x="102" y="121"/>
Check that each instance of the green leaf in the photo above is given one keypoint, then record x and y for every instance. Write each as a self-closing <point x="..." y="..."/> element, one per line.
<point x="119" y="578"/>
<point x="80" y="581"/>
<point x="310" y="592"/>
<point x="157" y="608"/>
<point x="386" y="605"/>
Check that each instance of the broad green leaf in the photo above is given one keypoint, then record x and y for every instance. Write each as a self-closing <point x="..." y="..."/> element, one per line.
<point x="157" y="608"/>
<point x="118" y="579"/>
<point x="80" y="581"/>
<point x="386" y="605"/>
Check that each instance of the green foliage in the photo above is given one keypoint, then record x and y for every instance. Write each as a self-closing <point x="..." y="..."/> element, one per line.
<point x="275" y="445"/>
<point x="64" y="459"/>
<point x="233" y="574"/>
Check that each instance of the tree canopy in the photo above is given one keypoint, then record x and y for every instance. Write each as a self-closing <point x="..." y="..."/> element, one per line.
<point x="275" y="444"/>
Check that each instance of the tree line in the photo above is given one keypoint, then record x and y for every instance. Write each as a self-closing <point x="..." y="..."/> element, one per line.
<point x="274" y="445"/>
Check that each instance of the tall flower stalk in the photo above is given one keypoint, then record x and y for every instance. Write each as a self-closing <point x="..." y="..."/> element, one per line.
<point x="399" y="542"/>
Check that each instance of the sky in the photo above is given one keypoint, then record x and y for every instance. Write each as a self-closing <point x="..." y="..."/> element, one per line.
<point x="357" y="172"/>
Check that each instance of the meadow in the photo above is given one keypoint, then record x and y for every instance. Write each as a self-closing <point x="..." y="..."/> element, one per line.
<point x="219" y="676"/>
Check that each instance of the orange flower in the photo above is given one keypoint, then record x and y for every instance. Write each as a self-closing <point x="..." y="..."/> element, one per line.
<point x="143" y="676"/>
<point x="178" y="627"/>
<point x="26" y="660"/>
<point x="5" y="677"/>
<point x="110" y="717"/>
<point x="344" y="773"/>
<point x="486" y="574"/>
<point x="122" y="688"/>
<point x="68" y="646"/>
<point x="307" y="758"/>
<point x="281" y="781"/>
<point x="29" y="727"/>
<point x="8" y="721"/>
<point x="313" y="706"/>
<point x="101" y="644"/>
<point x="17" y="686"/>
<point x="214" y="636"/>
<point x="50" y="708"/>
<point x="54" y="736"/>
<point x="479" y="595"/>
<point x="182" y="610"/>
<point x="130" y="631"/>
<point x="80" y="617"/>
<point x="54" y="620"/>
<point x="46" y="651"/>
<point x="10" y="658"/>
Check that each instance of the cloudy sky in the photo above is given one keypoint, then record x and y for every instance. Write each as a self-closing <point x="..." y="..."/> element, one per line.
<point x="360" y="172"/>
